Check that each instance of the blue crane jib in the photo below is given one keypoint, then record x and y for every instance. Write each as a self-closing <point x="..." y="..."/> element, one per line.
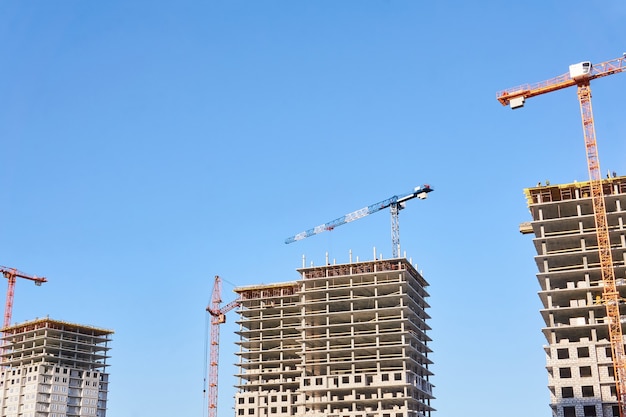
<point x="396" y="203"/>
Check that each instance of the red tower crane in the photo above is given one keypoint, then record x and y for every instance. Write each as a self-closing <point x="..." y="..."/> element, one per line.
<point x="218" y="316"/>
<point x="12" y="274"/>
<point x="580" y="75"/>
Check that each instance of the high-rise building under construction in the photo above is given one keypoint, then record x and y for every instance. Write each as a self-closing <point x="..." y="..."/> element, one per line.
<point x="344" y="340"/>
<point x="579" y="362"/>
<point x="52" y="368"/>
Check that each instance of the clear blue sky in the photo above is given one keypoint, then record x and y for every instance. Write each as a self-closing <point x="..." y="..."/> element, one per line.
<point x="148" y="146"/>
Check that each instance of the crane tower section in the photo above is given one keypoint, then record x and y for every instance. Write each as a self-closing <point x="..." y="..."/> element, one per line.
<point x="218" y="316"/>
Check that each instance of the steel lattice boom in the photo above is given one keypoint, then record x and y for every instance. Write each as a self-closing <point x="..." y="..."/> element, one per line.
<point x="396" y="203"/>
<point x="583" y="71"/>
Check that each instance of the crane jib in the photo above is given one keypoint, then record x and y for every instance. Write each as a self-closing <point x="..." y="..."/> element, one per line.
<point x="420" y="192"/>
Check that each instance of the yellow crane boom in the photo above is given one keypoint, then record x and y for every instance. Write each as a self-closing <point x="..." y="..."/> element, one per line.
<point x="582" y="71"/>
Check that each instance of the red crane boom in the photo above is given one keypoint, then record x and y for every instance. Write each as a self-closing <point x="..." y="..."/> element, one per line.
<point x="580" y="76"/>
<point x="12" y="274"/>
<point x="218" y="316"/>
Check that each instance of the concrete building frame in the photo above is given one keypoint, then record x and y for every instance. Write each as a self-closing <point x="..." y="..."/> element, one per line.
<point x="52" y="368"/>
<point x="346" y="340"/>
<point x="578" y="353"/>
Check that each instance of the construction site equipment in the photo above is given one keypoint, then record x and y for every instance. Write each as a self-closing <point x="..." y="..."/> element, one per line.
<point x="580" y="75"/>
<point x="218" y="316"/>
<point x="395" y="203"/>
<point x="12" y="274"/>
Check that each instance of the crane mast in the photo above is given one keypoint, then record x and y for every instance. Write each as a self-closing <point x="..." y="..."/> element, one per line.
<point x="395" y="204"/>
<point x="218" y="316"/>
<point x="580" y="75"/>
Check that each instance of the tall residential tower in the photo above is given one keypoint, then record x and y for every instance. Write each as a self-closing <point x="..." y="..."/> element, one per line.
<point x="578" y="352"/>
<point x="345" y="340"/>
<point x="52" y="368"/>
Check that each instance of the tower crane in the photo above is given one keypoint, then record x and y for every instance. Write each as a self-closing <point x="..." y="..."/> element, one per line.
<point x="218" y="316"/>
<point x="12" y="274"/>
<point x="395" y="203"/>
<point x="580" y="75"/>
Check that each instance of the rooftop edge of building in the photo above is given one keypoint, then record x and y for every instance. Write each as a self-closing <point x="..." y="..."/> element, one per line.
<point x="350" y="268"/>
<point x="572" y="190"/>
<point x="47" y="322"/>
<point x="548" y="193"/>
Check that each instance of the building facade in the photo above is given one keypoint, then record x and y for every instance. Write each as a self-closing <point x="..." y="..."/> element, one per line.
<point x="52" y="368"/>
<point x="345" y="340"/>
<point x="578" y="352"/>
